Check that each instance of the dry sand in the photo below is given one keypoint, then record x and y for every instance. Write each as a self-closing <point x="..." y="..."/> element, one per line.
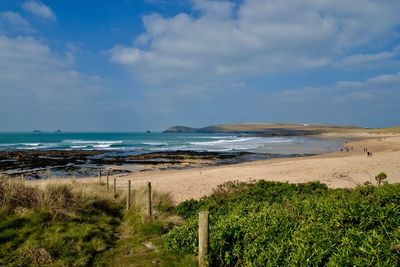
<point x="337" y="169"/>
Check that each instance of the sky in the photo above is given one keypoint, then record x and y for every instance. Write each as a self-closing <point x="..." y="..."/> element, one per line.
<point x="135" y="65"/>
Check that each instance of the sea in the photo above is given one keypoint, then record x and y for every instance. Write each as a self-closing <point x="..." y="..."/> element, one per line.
<point x="139" y="142"/>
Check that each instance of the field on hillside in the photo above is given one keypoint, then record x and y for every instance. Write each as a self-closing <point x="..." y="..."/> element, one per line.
<point x="279" y="224"/>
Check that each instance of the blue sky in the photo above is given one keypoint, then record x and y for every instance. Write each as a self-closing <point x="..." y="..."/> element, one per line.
<point x="133" y="65"/>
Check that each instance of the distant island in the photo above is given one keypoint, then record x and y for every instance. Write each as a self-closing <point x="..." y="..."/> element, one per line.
<point x="265" y="129"/>
<point x="40" y="131"/>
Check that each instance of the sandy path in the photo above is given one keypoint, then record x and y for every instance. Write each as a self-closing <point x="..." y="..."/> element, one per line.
<point x="335" y="169"/>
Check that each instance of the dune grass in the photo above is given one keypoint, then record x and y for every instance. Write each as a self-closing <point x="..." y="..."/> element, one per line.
<point x="54" y="225"/>
<point x="81" y="225"/>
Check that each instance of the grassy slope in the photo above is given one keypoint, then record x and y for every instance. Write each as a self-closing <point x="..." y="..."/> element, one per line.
<point x="261" y="127"/>
<point x="257" y="127"/>
<point x="55" y="225"/>
<point x="67" y="225"/>
<point x="276" y="224"/>
<point x="130" y="250"/>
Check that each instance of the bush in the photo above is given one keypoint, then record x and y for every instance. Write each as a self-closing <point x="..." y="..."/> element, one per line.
<point x="280" y="224"/>
<point x="381" y="178"/>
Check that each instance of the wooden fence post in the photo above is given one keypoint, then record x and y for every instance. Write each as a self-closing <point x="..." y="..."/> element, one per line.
<point x="149" y="200"/>
<point x="203" y="238"/>
<point x="108" y="181"/>
<point x="99" y="176"/>
<point x="128" y="197"/>
<point x="115" y="188"/>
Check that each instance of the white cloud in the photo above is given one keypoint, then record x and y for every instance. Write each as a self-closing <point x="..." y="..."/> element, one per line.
<point x="372" y="60"/>
<point x="386" y="79"/>
<point x="255" y="37"/>
<point x="362" y="59"/>
<point x="39" y="88"/>
<point x="15" y="21"/>
<point x="344" y="92"/>
<point x="39" y="9"/>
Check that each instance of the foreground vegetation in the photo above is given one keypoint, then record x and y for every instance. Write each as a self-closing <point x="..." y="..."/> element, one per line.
<point x="78" y="225"/>
<point x="279" y="224"/>
<point x="251" y="224"/>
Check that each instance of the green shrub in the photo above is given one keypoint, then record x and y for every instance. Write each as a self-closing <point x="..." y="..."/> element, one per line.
<point x="381" y="177"/>
<point x="280" y="224"/>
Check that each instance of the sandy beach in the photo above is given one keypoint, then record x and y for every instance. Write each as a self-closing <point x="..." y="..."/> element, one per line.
<point x="338" y="169"/>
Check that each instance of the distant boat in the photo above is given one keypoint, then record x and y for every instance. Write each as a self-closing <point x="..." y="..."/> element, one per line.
<point x="37" y="131"/>
<point x="148" y="131"/>
<point x="57" y="131"/>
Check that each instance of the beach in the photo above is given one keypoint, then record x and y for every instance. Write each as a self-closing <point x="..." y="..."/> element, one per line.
<point x="336" y="169"/>
<point x="40" y="155"/>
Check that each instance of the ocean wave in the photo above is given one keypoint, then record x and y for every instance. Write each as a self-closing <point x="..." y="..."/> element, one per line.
<point x="75" y="147"/>
<point x="222" y="141"/>
<point x="279" y="141"/>
<point x="207" y="137"/>
<point x="246" y="147"/>
<point x="6" y="145"/>
<point x="92" y="142"/>
<point x="102" y="146"/>
<point x="154" y="143"/>
<point x="170" y="148"/>
<point x="31" y="144"/>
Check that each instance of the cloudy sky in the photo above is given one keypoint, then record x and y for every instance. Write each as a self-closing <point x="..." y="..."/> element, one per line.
<point x="133" y="65"/>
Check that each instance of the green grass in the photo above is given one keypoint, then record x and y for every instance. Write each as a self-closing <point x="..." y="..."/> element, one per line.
<point x="55" y="225"/>
<point x="81" y="225"/>
<point x="65" y="242"/>
<point x="280" y="224"/>
<point x="130" y="249"/>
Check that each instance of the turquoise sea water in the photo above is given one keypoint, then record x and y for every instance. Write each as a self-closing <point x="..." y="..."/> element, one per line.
<point x="136" y="142"/>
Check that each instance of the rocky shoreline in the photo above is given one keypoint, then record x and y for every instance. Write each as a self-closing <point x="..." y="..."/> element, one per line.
<point x="37" y="164"/>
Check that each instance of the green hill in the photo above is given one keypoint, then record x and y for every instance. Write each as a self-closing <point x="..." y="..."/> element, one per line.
<point x="269" y="129"/>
